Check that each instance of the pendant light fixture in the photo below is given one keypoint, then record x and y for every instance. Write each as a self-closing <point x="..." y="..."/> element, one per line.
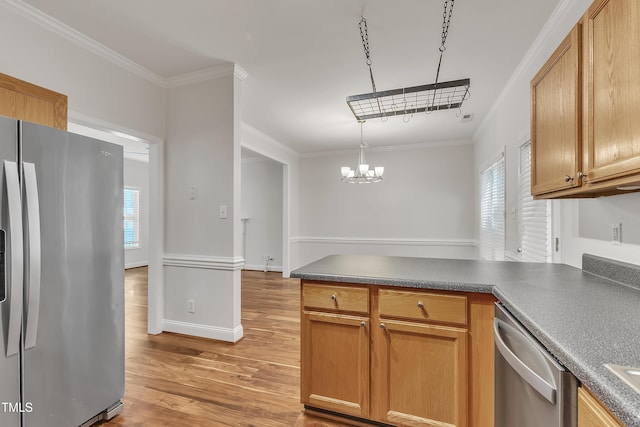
<point x="362" y="174"/>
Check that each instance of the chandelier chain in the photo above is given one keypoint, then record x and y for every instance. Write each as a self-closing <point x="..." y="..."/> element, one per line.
<point x="364" y="35"/>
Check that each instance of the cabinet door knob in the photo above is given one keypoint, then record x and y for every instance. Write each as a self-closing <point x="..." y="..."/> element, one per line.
<point x="382" y="326"/>
<point x="334" y="297"/>
<point x="581" y="175"/>
<point x="420" y="304"/>
<point x="568" y="178"/>
<point x="363" y="324"/>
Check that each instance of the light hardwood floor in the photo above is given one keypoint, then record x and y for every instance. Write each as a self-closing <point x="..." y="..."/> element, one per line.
<point x="176" y="380"/>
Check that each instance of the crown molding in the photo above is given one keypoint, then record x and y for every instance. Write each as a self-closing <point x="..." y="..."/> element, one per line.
<point x="38" y="17"/>
<point x="207" y="74"/>
<point x="389" y="148"/>
<point x="541" y="41"/>
<point x="249" y="132"/>
<point x="34" y="15"/>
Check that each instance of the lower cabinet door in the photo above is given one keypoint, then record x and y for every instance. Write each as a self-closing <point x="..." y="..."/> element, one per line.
<point x="420" y="374"/>
<point x="591" y="413"/>
<point x="335" y="363"/>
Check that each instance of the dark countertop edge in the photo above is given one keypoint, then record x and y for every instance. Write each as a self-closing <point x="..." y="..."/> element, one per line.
<point x="599" y="385"/>
<point x="406" y="283"/>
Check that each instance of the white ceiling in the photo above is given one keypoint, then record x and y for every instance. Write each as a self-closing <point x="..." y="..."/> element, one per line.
<point x="303" y="57"/>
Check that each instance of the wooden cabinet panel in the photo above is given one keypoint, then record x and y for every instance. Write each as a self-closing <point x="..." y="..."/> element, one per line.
<point x="335" y="363"/>
<point x="591" y="413"/>
<point x="556" y="135"/>
<point x="25" y="101"/>
<point x="613" y="89"/>
<point x="336" y="297"/>
<point x="423" y="306"/>
<point x="7" y="103"/>
<point x="395" y="364"/>
<point x="606" y="46"/>
<point x="425" y="369"/>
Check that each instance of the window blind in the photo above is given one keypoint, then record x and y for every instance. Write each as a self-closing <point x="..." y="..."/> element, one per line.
<point x="131" y="218"/>
<point x="492" y="212"/>
<point x="535" y="216"/>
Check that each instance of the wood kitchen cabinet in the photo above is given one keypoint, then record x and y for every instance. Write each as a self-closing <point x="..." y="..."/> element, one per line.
<point x="591" y="413"/>
<point x="429" y="354"/>
<point x="25" y="101"/>
<point x="612" y="77"/>
<point x="585" y="134"/>
<point x="556" y="135"/>
<point x="335" y="349"/>
<point x="421" y="365"/>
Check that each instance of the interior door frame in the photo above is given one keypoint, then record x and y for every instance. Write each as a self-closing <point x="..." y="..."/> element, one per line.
<point x="155" y="311"/>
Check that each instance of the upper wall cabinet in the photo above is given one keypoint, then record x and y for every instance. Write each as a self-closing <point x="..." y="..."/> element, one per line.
<point x="586" y="142"/>
<point x="556" y="119"/>
<point x="25" y="101"/>
<point x="612" y="75"/>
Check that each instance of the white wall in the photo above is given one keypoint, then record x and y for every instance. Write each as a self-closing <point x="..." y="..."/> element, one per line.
<point x="262" y="209"/>
<point x="507" y="125"/>
<point x="424" y="206"/>
<point x="136" y="175"/>
<point x="272" y="149"/>
<point x="202" y="250"/>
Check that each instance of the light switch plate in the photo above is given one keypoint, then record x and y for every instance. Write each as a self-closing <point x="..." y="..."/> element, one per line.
<point x="223" y="211"/>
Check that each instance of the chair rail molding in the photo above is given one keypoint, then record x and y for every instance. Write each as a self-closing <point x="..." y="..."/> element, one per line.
<point x="206" y="262"/>
<point x="384" y="241"/>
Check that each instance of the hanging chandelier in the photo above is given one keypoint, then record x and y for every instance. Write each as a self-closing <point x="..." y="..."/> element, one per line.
<point x="410" y="100"/>
<point x="362" y="174"/>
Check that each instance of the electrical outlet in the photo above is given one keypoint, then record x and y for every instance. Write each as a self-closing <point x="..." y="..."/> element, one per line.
<point x="616" y="233"/>
<point x="191" y="306"/>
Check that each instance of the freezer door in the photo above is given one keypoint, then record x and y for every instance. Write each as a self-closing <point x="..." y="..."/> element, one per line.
<point x="74" y="364"/>
<point x="9" y="365"/>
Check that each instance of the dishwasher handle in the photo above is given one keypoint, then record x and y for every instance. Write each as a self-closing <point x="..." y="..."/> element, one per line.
<point x="546" y="390"/>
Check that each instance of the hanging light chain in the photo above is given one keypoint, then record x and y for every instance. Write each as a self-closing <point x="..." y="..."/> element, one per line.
<point x="364" y="35"/>
<point x="446" y="21"/>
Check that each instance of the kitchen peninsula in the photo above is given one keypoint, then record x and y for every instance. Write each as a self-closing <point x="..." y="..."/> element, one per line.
<point x="585" y="318"/>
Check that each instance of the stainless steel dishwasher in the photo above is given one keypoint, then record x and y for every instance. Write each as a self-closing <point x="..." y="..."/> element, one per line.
<point x="531" y="388"/>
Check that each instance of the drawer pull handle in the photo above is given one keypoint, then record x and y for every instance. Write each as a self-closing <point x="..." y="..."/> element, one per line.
<point x="568" y="178"/>
<point x="421" y="305"/>
<point x="334" y="297"/>
<point x="383" y="326"/>
<point x="363" y="324"/>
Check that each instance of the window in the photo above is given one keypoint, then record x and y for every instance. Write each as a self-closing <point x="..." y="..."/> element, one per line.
<point x="534" y="221"/>
<point x="131" y="218"/>
<point x="492" y="216"/>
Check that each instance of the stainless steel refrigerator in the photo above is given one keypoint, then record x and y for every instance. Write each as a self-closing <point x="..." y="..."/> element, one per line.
<point x="62" y="278"/>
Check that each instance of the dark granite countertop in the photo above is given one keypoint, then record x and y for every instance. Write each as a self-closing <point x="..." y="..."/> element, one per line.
<point x="584" y="319"/>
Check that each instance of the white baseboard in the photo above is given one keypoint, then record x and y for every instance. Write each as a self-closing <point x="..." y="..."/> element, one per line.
<point x="203" y="331"/>
<point x="258" y="267"/>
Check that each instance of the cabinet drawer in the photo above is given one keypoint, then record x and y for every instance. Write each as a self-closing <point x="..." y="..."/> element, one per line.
<point x="423" y="306"/>
<point x="330" y="297"/>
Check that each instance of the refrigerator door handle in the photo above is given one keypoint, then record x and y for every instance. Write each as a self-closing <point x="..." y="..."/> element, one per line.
<point x="34" y="260"/>
<point x="15" y="271"/>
